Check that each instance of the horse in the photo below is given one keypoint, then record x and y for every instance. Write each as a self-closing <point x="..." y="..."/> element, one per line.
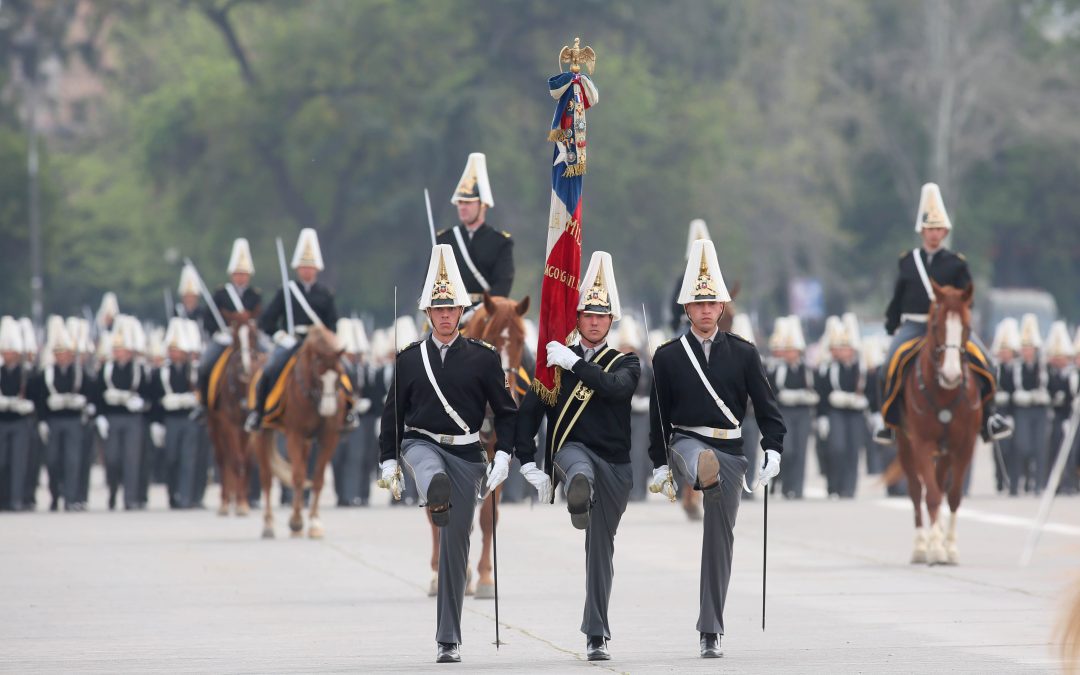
<point x="225" y="410"/>
<point x="942" y="410"/>
<point x="498" y="322"/>
<point x="313" y="405"/>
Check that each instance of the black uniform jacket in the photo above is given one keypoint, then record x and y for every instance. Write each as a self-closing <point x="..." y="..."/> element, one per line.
<point x="848" y="375"/>
<point x="948" y="268"/>
<point x="251" y="299"/>
<point x="796" y="376"/>
<point x="1060" y="388"/>
<point x="69" y="380"/>
<point x="734" y="369"/>
<point x="127" y="377"/>
<point x="491" y="250"/>
<point x="14" y="382"/>
<point x="471" y="379"/>
<point x="318" y="296"/>
<point x="179" y="383"/>
<point x="604" y="424"/>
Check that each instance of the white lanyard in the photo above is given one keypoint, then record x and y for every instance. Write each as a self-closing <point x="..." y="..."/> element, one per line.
<point x="468" y="260"/>
<point x="921" y="268"/>
<point x="50" y="376"/>
<point x="235" y="297"/>
<point x="438" y="392"/>
<point x="708" y="386"/>
<point x="304" y="304"/>
<point x="134" y="376"/>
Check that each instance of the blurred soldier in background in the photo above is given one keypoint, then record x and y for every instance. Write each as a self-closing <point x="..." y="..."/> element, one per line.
<point x="793" y="381"/>
<point x="1031" y="404"/>
<point x="16" y="415"/>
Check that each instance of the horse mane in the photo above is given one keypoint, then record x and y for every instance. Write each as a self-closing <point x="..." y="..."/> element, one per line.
<point x="322" y="341"/>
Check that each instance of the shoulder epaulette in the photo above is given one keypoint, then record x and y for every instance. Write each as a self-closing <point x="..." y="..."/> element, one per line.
<point x="409" y="346"/>
<point x="904" y="253"/>
<point x="480" y="342"/>
<point x="739" y="337"/>
<point x="505" y="233"/>
<point x="961" y="256"/>
<point x="672" y="340"/>
<point x="442" y="232"/>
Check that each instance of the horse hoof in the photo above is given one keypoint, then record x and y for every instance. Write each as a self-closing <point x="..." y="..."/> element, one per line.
<point x="268" y="533"/>
<point x="242" y="510"/>
<point x="952" y="556"/>
<point x="296" y="525"/>
<point x="918" y="557"/>
<point x="936" y="555"/>
<point x="316" y="530"/>
<point x="470" y="587"/>
<point x="223" y="510"/>
<point x="433" y="588"/>
<point x="485" y="591"/>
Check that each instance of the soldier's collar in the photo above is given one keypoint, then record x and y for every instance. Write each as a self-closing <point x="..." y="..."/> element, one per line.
<point x="439" y="344"/>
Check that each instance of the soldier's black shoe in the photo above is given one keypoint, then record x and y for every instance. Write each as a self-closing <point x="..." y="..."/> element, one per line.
<point x="579" y="501"/>
<point x="710" y="646"/>
<point x="112" y="500"/>
<point x="596" y="649"/>
<point x="997" y="428"/>
<point x="253" y="421"/>
<point x="54" y="505"/>
<point x="438" y="501"/>
<point x="448" y="653"/>
<point x="884" y="436"/>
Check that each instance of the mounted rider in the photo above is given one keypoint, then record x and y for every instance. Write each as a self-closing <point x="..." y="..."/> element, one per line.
<point x="906" y="316"/>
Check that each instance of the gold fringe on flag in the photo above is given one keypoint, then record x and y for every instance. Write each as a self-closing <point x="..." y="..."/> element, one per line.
<point x="558" y="135"/>
<point x="573" y="170"/>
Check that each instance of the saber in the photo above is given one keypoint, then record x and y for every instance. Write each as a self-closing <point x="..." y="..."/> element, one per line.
<point x="207" y="297"/>
<point x="285" y="286"/>
<point x="764" y="558"/>
<point x="999" y="459"/>
<point x="430" y="220"/>
<point x="669" y="488"/>
<point x="1052" y="484"/>
<point x="495" y="565"/>
<point x="395" y="481"/>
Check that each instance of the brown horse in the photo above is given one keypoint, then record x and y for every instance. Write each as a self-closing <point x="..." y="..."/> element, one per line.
<point x="497" y="322"/>
<point x="312" y="407"/>
<point x="226" y="410"/>
<point x="940" y="420"/>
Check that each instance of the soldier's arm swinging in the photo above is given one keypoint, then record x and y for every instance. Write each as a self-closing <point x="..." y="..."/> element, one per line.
<point x="767" y="413"/>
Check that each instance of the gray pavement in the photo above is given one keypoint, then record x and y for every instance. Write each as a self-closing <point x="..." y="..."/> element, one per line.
<point x="192" y="592"/>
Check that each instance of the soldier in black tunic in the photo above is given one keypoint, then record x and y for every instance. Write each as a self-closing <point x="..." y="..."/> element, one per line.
<point x="905" y="318"/>
<point x="588" y="440"/>
<point x="485" y="256"/>
<point x="705" y="381"/>
<point x="440" y="392"/>
<point x="16" y="415"/>
<point x="171" y="393"/>
<point x="1059" y="355"/>
<point x="793" y="381"/>
<point x="311" y="303"/>
<point x="238" y="295"/>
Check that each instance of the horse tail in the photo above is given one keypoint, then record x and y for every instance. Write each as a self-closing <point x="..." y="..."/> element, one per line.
<point x="1068" y="631"/>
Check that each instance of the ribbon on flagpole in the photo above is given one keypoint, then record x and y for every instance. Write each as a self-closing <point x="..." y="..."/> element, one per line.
<point x="575" y="93"/>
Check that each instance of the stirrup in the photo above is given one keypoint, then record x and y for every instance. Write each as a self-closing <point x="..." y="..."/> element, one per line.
<point x="352" y="420"/>
<point x="884" y="436"/>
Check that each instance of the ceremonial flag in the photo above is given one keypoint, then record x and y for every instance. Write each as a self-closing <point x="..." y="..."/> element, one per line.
<point x="575" y="94"/>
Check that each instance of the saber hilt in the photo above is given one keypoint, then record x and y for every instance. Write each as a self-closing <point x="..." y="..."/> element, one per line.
<point x="668" y="488"/>
<point x="396" y="481"/>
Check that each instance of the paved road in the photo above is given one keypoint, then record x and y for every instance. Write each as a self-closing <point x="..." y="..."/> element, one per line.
<point x="189" y="591"/>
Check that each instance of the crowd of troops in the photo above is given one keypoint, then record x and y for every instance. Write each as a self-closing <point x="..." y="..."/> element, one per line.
<point x="707" y="413"/>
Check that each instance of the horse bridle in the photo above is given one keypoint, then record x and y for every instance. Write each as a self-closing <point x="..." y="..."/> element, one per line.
<point x="944" y="414"/>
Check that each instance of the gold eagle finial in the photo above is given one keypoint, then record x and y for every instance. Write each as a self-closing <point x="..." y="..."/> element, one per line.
<point x="576" y="56"/>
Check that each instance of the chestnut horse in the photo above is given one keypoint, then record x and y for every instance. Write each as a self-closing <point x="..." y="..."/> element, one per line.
<point x="313" y="401"/>
<point x="226" y="410"/>
<point x="497" y="322"/>
<point x="942" y="410"/>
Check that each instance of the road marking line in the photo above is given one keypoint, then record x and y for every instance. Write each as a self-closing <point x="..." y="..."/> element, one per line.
<point x="991" y="518"/>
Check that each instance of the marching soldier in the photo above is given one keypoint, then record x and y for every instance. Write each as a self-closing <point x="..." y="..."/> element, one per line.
<point x="704" y="381"/>
<point x="842" y="411"/>
<point x="1006" y="347"/>
<point x="1031" y="403"/>
<point x="349" y="465"/>
<point x="189" y="306"/>
<point x="237" y="295"/>
<point x="1059" y="354"/>
<point x="62" y="393"/>
<point x="588" y="446"/>
<point x="171" y="391"/>
<point x="905" y="318"/>
<point x="484" y="255"/>
<point x="119" y="402"/>
<point x="435" y="407"/>
<point x="698" y="230"/>
<point x="16" y="413"/>
<point x="796" y="394"/>
<point x="312" y="303"/>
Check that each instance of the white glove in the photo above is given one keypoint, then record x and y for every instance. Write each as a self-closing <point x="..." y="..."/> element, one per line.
<point x="1001" y="397"/>
<point x="876" y="422"/>
<point x="498" y="470"/>
<point x="223" y="339"/>
<point x="562" y="356"/>
<point x="23" y="406"/>
<point x="639" y="405"/>
<point x="363" y="405"/>
<point x="388" y="470"/>
<point x="102" y="425"/>
<point x="157" y="434"/>
<point x="663" y="482"/>
<point x="1022" y="398"/>
<point x="1059" y="398"/>
<point x="43" y="432"/>
<point x="771" y="468"/>
<point x="5" y="403"/>
<point x="822" y="427"/>
<point x="283" y="339"/>
<point x="539" y="480"/>
<point x="135" y="404"/>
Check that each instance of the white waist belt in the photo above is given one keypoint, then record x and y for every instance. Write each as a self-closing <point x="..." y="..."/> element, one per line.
<point x="917" y="318"/>
<point x="723" y="434"/>
<point x="448" y="439"/>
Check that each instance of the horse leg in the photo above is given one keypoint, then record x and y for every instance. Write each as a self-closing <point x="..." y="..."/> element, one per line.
<point x="485" y="586"/>
<point x="935" y="550"/>
<point x="915" y="491"/>
<point x="328" y="441"/>
<point x="240" y="464"/>
<point x="262" y="450"/>
<point x="221" y="456"/>
<point x="297" y="448"/>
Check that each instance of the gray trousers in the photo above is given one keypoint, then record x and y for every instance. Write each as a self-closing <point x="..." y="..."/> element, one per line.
<point x="182" y="438"/>
<point x="346" y="462"/>
<point x="847" y="434"/>
<point x="797" y="421"/>
<point x="14" y="455"/>
<point x="423" y="460"/>
<point x="610" y="485"/>
<point x="718" y="538"/>
<point x="123" y="455"/>
<point x="369" y="456"/>
<point x="639" y="456"/>
<point x="64" y="458"/>
<point x="1029" y="453"/>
